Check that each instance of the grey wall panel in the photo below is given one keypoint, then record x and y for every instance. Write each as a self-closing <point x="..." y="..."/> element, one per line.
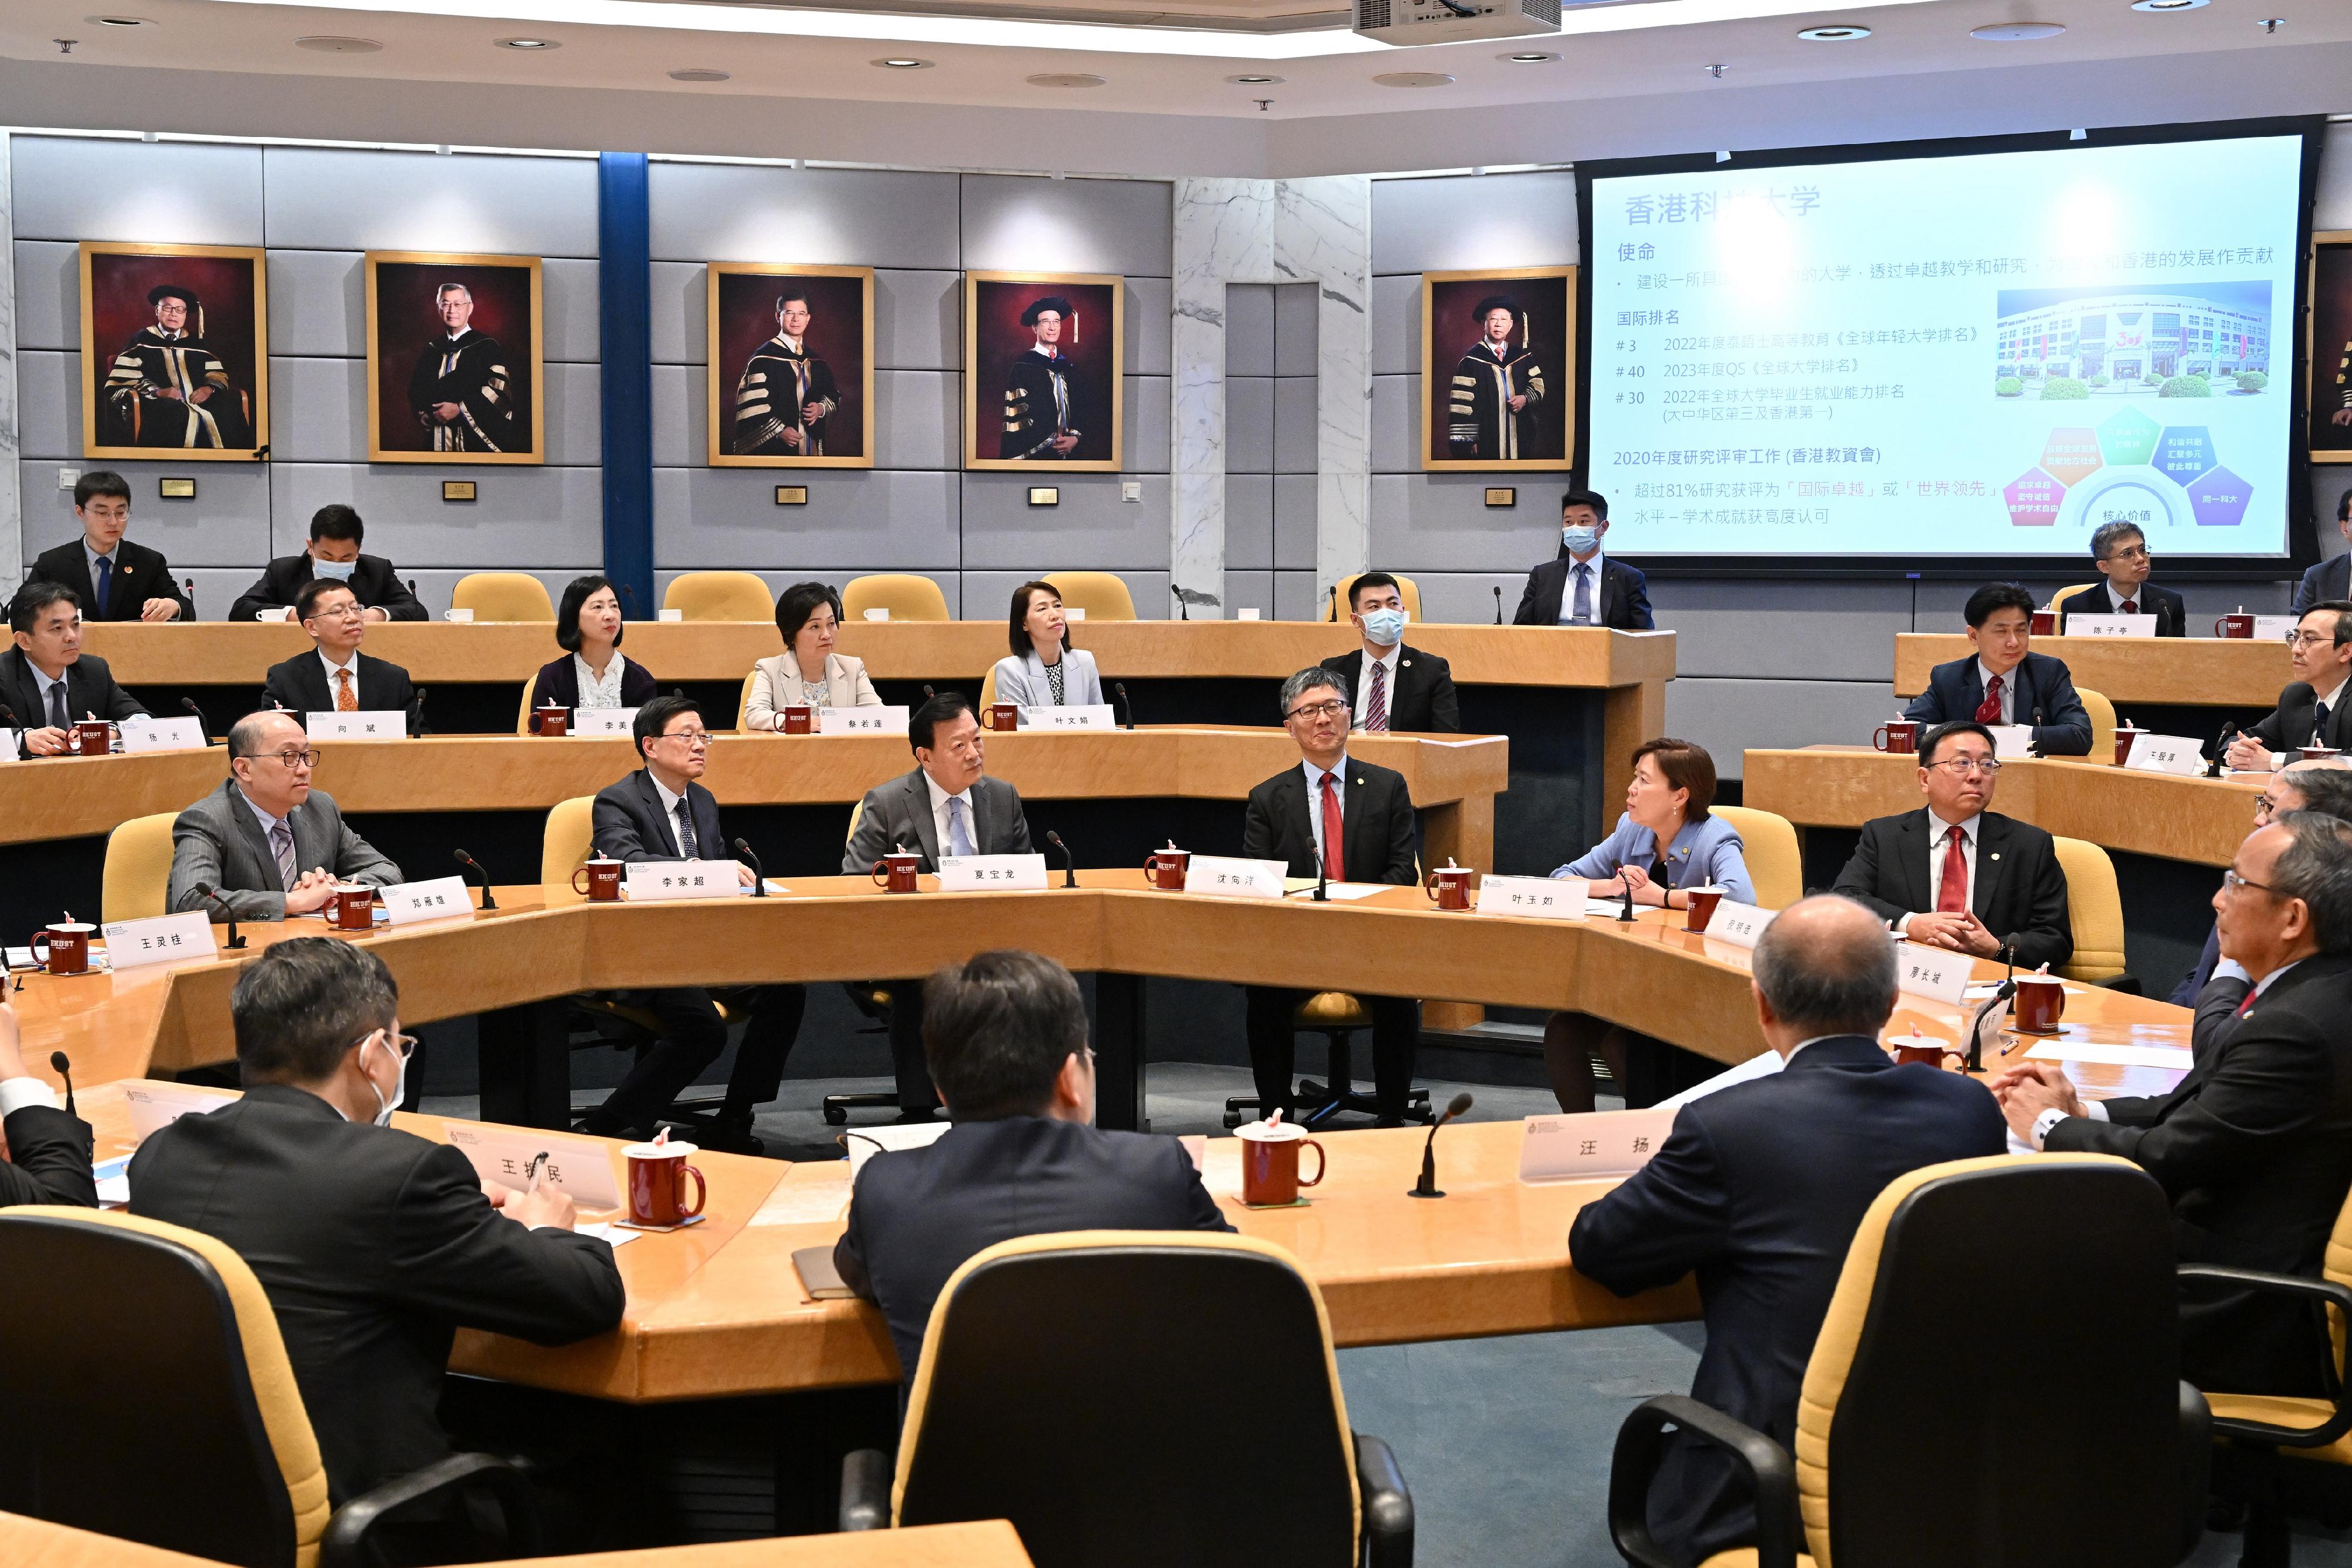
<point x="1297" y="596"/>
<point x="1091" y="529"/>
<point x="1730" y="716"/>
<point x="1465" y="597"/>
<point x="570" y="309"/>
<point x="1295" y="427"/>
<point x="48" y="406"/>
<point x="988" y="595"/>
<point x="916" y="413"/>
<point x="1396" y="424"/>
<point x="416" y="201"/>
<point x="883" y="520"/>
<point x="1249" y="590"/>
<point x="169" y="193"/>
<point x="534" y="519"/>
<point x="1396" y="325"/>
<point x="1296" y="308"/>
<point x="681" y="416"/>
<point x="1249" y="523"/>
<point x="681" y="318"/>
<point x="318" y="304"/>
<point x="1294" y="521"/>
<point x="1149" y="428"/>
<point x="49" y="292"/>
<point x="1249" y="424"/>
<point x="833" y="217"/>
<point x="1249" y="328"/>
<point x="1797" y="630"/>
<point x="1150" y="334"/>
<point x="226" y="524"/>
<point x="917" y="318"/>
<point x="318" y="411"/>
<point x="217" y="588"/>
<point x="1458" y="223"/>
<point x="1016" y="223"/>
<point x="1443" y="520"/>
<point x="2331" y="208"/>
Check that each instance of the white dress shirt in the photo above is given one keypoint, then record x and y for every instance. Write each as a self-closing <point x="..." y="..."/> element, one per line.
<point x="334" y="670"/>
<point x="1568" y="590"/>
<point x="669" y="811"/>
<point x="940" y="799"/>
<point x="48" y="684"/>
<point x="594" y="693"/>
<point x="1387" y="662"/>
<point x="1985" y="679"/>
<point x="1314" y="799"/>
<point x="15" y="1093"/>
<point x="269" y="826"/>
<point x="1939" y="832"/>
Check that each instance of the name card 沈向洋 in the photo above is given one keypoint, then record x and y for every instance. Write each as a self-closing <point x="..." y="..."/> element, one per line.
<point x="603" y="720"/>
<point x="2181" y="754"/>
<point x="366" y="724"/>
<point x="1935" y="973"/>
<point x="1224" y="876"/>
<point x="1094" y="716"/>
<point x="1533" y="897"/>
<point x="580" y="1169"/>
<point x="2110" y="625"/>
<point x="1741" y="925"/>
<point x="861" y="720"/>
<point x="1591" y="1145"/>
<point x="161" y="735"/>
<point x="992" y="874"/>
<point x="165" y="939"/>
<point x="443" y="898"/>
<point x="650" y="882"/>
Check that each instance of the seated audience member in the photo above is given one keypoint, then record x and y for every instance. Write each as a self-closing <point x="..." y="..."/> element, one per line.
<point x="809" y="615"/>
<point x="1005" y="1033"/>
<point x="1665" y="805"/>
<point x="44" y="1151"/>
<point x="1583" y="587"/>
<point x="112" y="578"/>
<point x="333" y="555"/>
<point x="1395" y="686"/>
<point x="946" y="805"/>
<point x="1955" y="873"/>
<point x="1354" y="822"/>
<point x="1044" y="669"/>
<point x="336" y="676"/>
<point x="662" y="812"/>
<point x="46" y="681"/>
<point x="2325" y="787"/>
<point x="594" y="672"/>
<point x="2120" y="552"/>
<point x="373" y="1245"/>
<point x="2007" y="682"/>
<point x="265" y="842"/>
<point x="2332" y="578"/>
<point x="2312" y="709"/>
<point x="1759" y="1188"/>
<point x="2254" y="1146"/>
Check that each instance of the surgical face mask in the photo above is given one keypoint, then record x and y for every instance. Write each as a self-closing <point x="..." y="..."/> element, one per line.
<point x="1582" y="540"/>
<point x="385" y="1108"/>
<point x="1385" y="626"/>
<point x="333" y="570"/>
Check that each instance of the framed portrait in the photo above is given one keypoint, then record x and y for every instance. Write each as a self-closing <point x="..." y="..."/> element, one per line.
<point x="1498" y="369"/>
<point x="2328" y="349"/>
<point x="174" y="352"/>
<point x="455" y="362"/>
<point x="1042" y="379"/>
<point x="791" y="366"/>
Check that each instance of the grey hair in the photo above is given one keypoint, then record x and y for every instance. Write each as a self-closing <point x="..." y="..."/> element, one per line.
<point x="2317" y="868"/>
<point x="2108" y="535"/>
<point x="1306" y="681"/>
<point x="446" y="289"/>
<point x="2326" y="790"/>
<point x="1836" y="982"/>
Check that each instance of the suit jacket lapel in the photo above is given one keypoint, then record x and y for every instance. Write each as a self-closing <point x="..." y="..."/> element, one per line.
<point x="248" y="829"/>
<point x="918" y="798"/>
<point x="1303" y="817"/>
<point x="1993" y="851"/>
<point x="663" y="825"/>
<point x="1919" y="844"/>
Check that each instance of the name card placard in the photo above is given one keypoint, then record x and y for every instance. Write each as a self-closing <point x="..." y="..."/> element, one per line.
<point x="1091" y="717"/>
<point x="161" y="735"/>
<point x="2111" y="625"/>
<point x="1741" y="925"/>
<point x="1228" y="877"/>
<point x="1932" y="972"/>
<point x="283" y="612"/>
<point x="1533" y="897"/>
<point x="861" y="720"/>
<point x="1591" y="1146"/>
<point x="367" y="723"/>
<point x="155" y="1106"/>
<point x="2181" y="754"/>
<point x="651" y="881"/>
<point x="443" y="898"/>
<point x="603" y="720"/>
<point x="165" y="939"/>
<point x="2011" y="741"/>
<point x="580" y="1168"/>
<point x="2276" y="628"/>
<point x="992" y="874"/>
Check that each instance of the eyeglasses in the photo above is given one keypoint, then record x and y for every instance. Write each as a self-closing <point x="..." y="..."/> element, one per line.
<point x="693" y="738"/>
<point x="404" y="1045"/>
<point x="291" y="759"/>
<point x="339" y="612"/>
<point x="2232" y="881"/>
<point x="1961" y="767"/>
<point x="2264" y="805"/>
<point x="2302" y="639"/>
<point x="1331" y="709"/>
<point x="2130" y="552"/>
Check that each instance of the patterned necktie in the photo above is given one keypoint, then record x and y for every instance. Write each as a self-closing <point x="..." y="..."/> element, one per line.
<point x="346" y="699"/>
<point x="1988" y="710"/>
<point x="1334" y="859"/>
<point x="281" y="842"/>
<point x="1952" y="897"/>
<point x="959" y="839"/>
<point x="58" y="717"/>
<point x="105" y="584"/>
<point x="688" y="845"/>
<point x="2131" y="606"/>
<point x="1581" y="608"/>
<point x="2319" y="725"/>
<point x="1376" y="709"/>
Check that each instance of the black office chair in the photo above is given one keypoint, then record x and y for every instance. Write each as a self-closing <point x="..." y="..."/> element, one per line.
<point x="148" y="1398"/>
<point x="1145" y="1398"/>
<point x="1336" y="1016"/>
<point x="1997" y="1382"/>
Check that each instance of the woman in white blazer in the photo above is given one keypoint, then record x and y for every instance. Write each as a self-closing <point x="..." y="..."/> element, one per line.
<point x="1044" y="669"/>
<point x="809" y="615"/>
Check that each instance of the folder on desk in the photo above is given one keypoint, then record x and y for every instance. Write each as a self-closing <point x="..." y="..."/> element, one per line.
<point x="819" y="1278"/>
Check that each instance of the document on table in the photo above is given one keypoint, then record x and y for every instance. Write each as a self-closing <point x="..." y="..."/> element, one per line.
<point x="612" y="1234"/>
<point x="1339" y="892"/>
<point x="807" y="1201"/>
<point x="2173" y="1058"/>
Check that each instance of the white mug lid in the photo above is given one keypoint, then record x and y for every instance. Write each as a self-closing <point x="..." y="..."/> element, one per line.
<point x="658" y="1151"/>
<point x="1280" y="1133"/>
<point x="68" y="926"/>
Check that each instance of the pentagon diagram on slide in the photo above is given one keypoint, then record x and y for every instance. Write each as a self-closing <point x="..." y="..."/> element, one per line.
<point x="2131" y="469"/>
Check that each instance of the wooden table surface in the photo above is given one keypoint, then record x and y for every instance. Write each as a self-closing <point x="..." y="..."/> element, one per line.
<point x="2195" y="671"/>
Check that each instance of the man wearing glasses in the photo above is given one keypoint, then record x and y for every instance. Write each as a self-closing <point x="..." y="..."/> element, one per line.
<point x="2322" y="787"/>
<point x="336" y="678"/>
<point x="2311" y="709"/>
<point x="265" y="842"/>
<point x="1957" y="874"/>
<point x="2120" y="552"/>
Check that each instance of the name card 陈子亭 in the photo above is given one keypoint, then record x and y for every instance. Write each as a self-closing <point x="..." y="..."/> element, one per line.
<point x="2111" y="625"/>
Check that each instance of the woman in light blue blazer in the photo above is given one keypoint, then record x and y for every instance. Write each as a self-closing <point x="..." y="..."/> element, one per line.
<point x="1044" y="669"/>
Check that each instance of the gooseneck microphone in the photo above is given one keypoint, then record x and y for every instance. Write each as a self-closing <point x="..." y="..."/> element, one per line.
<point x="1118" y="688"/>
<point x="64" y="1066"/>
<point x="1069" y="860"/>
<point x="202" y="723"/>
<point x="1429" y="1187"/>
<point x="205" y="891"/>
<point x="470" y="863"/>
<point x="929" y="693"/>
<point x="2222" y="742"/>
<point x="416" y="713"/>
<point x="1498" y="604"/>
<point x="1625" y="915"/>
<point x="759" y="873"/>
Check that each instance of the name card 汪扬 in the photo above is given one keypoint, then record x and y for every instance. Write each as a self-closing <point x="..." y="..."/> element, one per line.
<point x="2181" y="754"/>
<point x="603" y="720"/>
<point x="580" y="1169"/>
<point x="1224" y="876"/>
<point x="443" y="898"/>
<point x="366" y="724"/>
<point x="2111" y="625"/>
<point x="1741" y="925"/>
<point x="861" y="720"/>
<point x="1533" y="897"/>
<point x="161" y="735"/>
<point x="1093" y="716"/>
<point x="1591" y="1145"/>
<point x="992" y="874"/>
<point x="165" y="939"/>
<point x="651" y="881"/>
<point x="1932" y="972"/>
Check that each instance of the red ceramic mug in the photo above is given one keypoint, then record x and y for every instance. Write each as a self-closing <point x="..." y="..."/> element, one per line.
<point x="658" y="1174"/>
<point x="2041" y="1002"/>
<point x="1165" y="869"/>
<point x="63" y="948"/>
<point x="603" y="884"/>
<point x="1449" y="885"/>
<point x="1900" y="735"/>
<point x="2045" y="624"/>
<point x="2124" y="735"/>
<point x="1923" y="1049"/>
<point x="800" y="719"/>
<point x="2316" y="753"/>
<point x="90" y="738"/>
<point x="352" y="907"/>
<point x="1001" y="716"/>
<point x="1703" y="901"/>
<point x="897" y="872"/>
<point x="2238" y="625"/>
<point x="1270" y="1164"/>
<point x="551" y="720"/>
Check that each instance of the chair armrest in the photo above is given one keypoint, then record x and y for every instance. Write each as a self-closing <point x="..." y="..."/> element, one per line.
<point x="2196" y="1465"/>
<point x="2325" y="1292"/>
<point x="1642" y="1449"/>
<point x="865" y="1489"/>
<point x="1388" y="1507"/>
<point x="345" y="1543"/>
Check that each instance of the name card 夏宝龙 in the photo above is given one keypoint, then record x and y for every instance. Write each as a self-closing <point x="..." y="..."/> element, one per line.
<point x="165" y="939"/>
<point x="992" y="874"/>
<point x="1931" y="972"/>
<point x="1090" y="716"/>
<point x="1591" y="1145"/>
<point x="443" y="898"/>
<point x="1226" y="877"/>
<point x="367" y="723"/>
<point x="886" y="720"/>
<point x="1533" y="897"/>
<point x="651" y="881"/>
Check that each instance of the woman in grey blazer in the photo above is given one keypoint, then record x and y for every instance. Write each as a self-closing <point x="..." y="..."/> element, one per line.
<point x="809" y="615"/>
<point x="1044" y="669"/>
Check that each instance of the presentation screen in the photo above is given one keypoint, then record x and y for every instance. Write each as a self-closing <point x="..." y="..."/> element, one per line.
<point x="1981" y="355"/>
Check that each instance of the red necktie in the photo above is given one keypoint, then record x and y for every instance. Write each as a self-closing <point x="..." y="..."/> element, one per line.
<point x="2131" y="606"/>
<point x="1376" y="707"/>
<point x="2247" y="1005"/>
<point x="1988" y="710"/>
<point x="1953" y="896"/>
<point x="1334" y="862"/>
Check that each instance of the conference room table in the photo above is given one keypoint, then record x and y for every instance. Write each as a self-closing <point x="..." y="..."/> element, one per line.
<point x="2153" y="672"/>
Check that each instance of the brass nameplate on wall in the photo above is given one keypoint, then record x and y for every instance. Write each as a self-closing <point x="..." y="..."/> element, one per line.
<point x="1045" y="494"/>
<point x="177" y="489"/>
<point x="792" y="494"/>
<point x="458" y="489"/>
<point x="1502" y="496"/>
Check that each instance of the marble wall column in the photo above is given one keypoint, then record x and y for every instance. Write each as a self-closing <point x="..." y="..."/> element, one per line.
<point x="12" y="496"/>
<point x="1270" y="231"/>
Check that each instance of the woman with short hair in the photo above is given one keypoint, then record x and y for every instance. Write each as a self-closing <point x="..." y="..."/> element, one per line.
<point x="593" y="673"/>
<point x="808" y="672"/>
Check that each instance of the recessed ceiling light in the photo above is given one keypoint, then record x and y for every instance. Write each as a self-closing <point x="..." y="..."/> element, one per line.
<point x="2170" y="4"/>
<point x="1717" y="71"/>
<point x="1843" y="33"/>
<point x="1064" y="79"/>
<point x="120" y="21"/>
<point x="1254" y="80"/>
<point x="334" y="43"/>
<point x="2015" y="32"/>
<point x="1413" y="79"/>
<point x="2271" y="24"/>
<point x="698" y="73"/>
<point x="529" y="44"/>
<point x="1531" y="57"/>
<point x="902" y="63"/>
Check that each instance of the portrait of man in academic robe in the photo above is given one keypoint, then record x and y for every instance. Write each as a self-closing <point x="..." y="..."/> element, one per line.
<point x="791" y="366"/>
<point x="1042" y="388"/>
<point x="1498" y="369"/>
<point x="173" y="351"/>
<point x="455" y="359"/>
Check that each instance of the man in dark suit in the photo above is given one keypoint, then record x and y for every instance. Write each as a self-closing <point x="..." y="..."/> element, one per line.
<point x="333" y="553"/>
<point x="373" y="1245"/>
<point x="44" y="1151"/>
<point x="1583" y="587"/>
<point x="112" y="578"/>
<point x="1353" y="822"/>
<point x="46" y="681"/>
<point x="2305" y="787"/>
<point x="336" y="676"/>
<point x="2254" y="1146"/>
<point x="1396" y="686"/>
<point x="1958" y="874"/>
<point x="266" y="843"/>
<point x="662" y="812"/>
<point x="2332" y="578"/>
<point x="2313" y="708"/>
<point x="1006" y="1036"/>
<point x="947" y="804"/>
<point x="2120" y="552"/>
<point x="2007" y="681"/>
<point x="1760" y="1187"/>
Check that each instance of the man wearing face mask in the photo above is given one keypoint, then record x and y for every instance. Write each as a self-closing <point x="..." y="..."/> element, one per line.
<point x="373" y="1245"/>
<point x="1394" y="687"/>
<point x="333" y="553"/>
<point x="1583" y="587"/>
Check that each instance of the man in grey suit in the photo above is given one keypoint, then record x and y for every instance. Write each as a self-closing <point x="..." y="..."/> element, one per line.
<point x="265" y="842"/>
<point x="947" y="804"/>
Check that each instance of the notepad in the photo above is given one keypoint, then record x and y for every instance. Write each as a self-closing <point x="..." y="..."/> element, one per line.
<point x="819" y="1278"/>
<point x="2173" y="1058"/>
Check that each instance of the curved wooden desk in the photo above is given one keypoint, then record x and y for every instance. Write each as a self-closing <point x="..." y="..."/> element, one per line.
<point x="2182" y="672"/>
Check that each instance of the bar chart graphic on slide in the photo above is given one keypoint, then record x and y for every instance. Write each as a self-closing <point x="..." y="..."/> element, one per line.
<point x="2127" y="469"/>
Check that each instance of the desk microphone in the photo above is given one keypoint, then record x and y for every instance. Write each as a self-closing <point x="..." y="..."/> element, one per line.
<point x="205" y="891"/>
<point x="190" y="704"/>
<point x="1069" y="860"/>
<point x="1625" y="915"/>
<point x="470" y="863"/>
<point x="1498" y="604"/>
<point x="1429" y="1187"/>
<point x="1119" y="689"/>
<point x="1322" y="881"/>
<point x="929" y="693"/>
<point x="759" y="873"/>
<point x="2229" y="732"/>
<point x="416" y="713"/>
<point x="58" y="1059"/>
<point x="188" y="586"/>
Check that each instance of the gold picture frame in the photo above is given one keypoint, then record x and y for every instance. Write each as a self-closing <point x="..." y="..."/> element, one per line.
<point x="230" y="325"/>
<point x="2329" y="372"/>
<point x="992" y="340"/>
<point x="505" y="291"/>
<point x="1452" y="298"/>
<point x="731" y="345"/>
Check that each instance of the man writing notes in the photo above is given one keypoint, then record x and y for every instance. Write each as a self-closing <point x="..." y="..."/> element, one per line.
<point x="1583" y="587"/>
<point x="337" y="677"/>
<point x="1038" y="391"/>
<point x="459" y="389"/>
<point x="333" y="555"/>
<point x="2007" y="681"/>
<point x="1759" y="1188"/>
<point x="785" y="394"/>
<point x="46" y="680"/>
<point x="2120" y="552"/>
<point x="2311" y="708"/>
<point x="167" y="388"/>
<point x="373" y="1245"/>
<point x="1394" y="686"/>
<point x="266" y="843"/>
<point x="112" y="578"/>
<point x="1352" y="822"/>
<point x="947" y="805"/>
<point x="1958" y="874"/>
<point x="1494" y="386"/>
<point x="2254" y="1146"/>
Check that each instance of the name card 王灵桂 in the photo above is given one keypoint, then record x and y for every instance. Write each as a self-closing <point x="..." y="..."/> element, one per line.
<point x="164" y="939"/>
<point x="1935" y="973"/>
<point x="2179" y="754"/>
<point x="1093" y="716"/>
<point x="1741" y="925"/>
<point x="144" y="734"/>
<point x="366" y="724"/>
<point x="443" y="898"/>
<point x="882" y="720"/>
<point x="651" y="881"/>
<point x="1222" y="876"/>
<point x="992" y="874"/>
<point x="1591" y="1145"/>
<point x="603" y="720"/>
<point x="1533" y="897"/>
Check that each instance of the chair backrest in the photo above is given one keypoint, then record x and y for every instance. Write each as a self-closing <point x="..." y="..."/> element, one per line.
<point x="720" y="596"/>
<point x="1102" y="595"/>
<point x="1925" y="1442"/>
<point x="2058" y="599"/>
<point x="1071" y="1384"/>
<point x="138" y="868"/>
<point x="523" y="713"/>
<point x="2094" y="908"/>
<point x="571" y="834"/>
<point x="743" y="703"/>
<point x="988" y="689"/>
<point x="2103" y="723"/>
<point x="1768" y="843"/>
<point x="157" y="1404"/>
<point x="905" y="596"/>
<point x="1335" y="607"/>
<point x="503" y="596"/>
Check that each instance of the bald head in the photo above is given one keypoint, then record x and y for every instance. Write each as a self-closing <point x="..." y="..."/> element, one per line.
<point x="1824" y="966"/>
<point x="267" y="730"/>
<point x="269" y="757"/>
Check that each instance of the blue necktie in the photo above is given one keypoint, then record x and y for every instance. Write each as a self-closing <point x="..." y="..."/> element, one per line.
<point x="959" y="841"/>
<point x="1582" y="609"/>
<point x="105" y="583"/>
